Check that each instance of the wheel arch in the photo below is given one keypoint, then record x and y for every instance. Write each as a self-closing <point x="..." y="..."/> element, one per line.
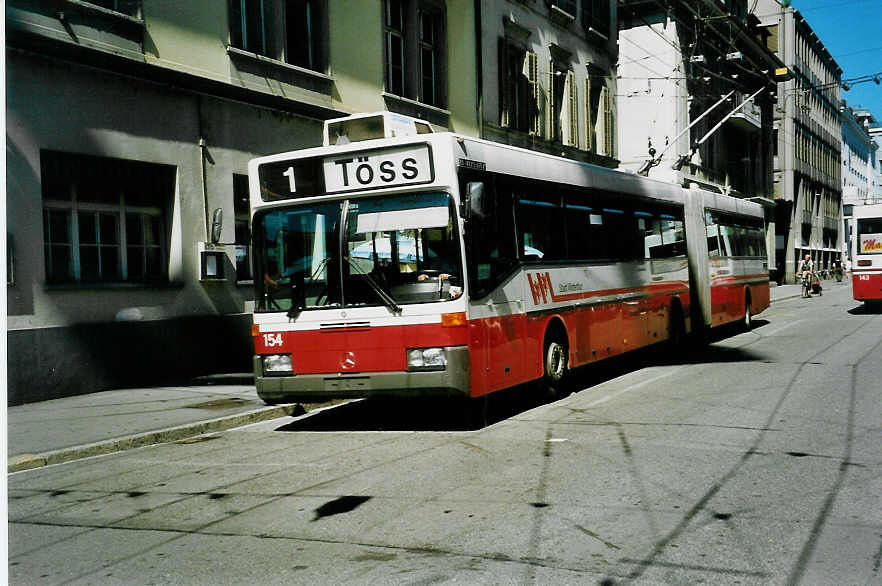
<point x="556" y="328"/>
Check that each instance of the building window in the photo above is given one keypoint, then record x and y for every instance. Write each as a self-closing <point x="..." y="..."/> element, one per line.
<point x="596" y="17"/>
<point x="104" y="220"/>
<point x="247" y="30"/>
<point x="241" y="209"/>
<point x="128" y="7"/>
<point x="304" y="33"/>
<point x="291" y="31"/>
<point x="599" y="120"/>
<point x="414" y="51"/>
<point x="395" y="47"/>
<point x="562" y="105"/>
<point x="517" y="107"/>
<point x="430" y="28"/>
<point x="565" y="6"/>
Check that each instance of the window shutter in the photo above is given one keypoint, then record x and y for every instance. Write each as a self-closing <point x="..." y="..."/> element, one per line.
<point x="531" y="65"/>
<point x="589" y="124"/>
<point x="572" y="106"/>
<point x="550" y="105"/>
<point x="565" y="120"/>
<point x="608" y="138"/>
<point x="505" y="86"/>
<point x="601" y="122"/>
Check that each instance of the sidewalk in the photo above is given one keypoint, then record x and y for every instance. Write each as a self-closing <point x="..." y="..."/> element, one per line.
<point x="781" y="292"/>
<point x="70" y="428"/>
<point x="51" y="432"/>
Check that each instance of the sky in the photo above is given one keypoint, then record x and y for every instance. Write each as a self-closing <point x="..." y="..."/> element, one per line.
<point x="851" y="30"/>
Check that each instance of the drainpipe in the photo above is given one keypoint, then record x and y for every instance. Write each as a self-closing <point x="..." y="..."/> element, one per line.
<point x="479" y="77"/>
<point x="203" y="155"/>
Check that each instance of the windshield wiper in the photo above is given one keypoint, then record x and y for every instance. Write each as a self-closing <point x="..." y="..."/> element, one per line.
<point x="299" y="304"/>
<point x="387" y="299"/>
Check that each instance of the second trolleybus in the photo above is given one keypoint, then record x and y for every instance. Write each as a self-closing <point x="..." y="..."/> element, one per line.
<point x="397" y="261"/>
<point x="866" y="270"/>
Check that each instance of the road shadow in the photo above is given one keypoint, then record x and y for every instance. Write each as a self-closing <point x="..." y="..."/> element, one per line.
<point x="458" y="414"/>
<point x="866" y="309"/>
<point x="420" y="414"/>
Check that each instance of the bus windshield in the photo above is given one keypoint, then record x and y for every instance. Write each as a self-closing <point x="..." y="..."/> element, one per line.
<point x="360" y="252"/>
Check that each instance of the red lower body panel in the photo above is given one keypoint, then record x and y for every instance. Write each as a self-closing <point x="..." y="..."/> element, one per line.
<point x="368" y="349"/>
<point x="728" y="298"/>
<point x="867" y="286"/>
<point x="507" y="350"/>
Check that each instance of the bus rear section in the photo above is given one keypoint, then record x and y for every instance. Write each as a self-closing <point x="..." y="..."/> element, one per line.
<point x="866" y="273"/>
<point x="729" y="262"/>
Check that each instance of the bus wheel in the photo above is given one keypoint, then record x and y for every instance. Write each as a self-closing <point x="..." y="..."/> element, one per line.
<point x="555" y="364"/>
<point x="676" y="327"/>
<point x="748" y="316"/>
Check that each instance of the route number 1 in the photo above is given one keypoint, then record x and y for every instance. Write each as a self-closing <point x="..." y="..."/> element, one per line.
<point x="289" y="173"/>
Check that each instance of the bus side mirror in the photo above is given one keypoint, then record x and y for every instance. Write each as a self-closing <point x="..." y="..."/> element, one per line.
<point x="217" y="224"/>
<point x="475" y="204"/>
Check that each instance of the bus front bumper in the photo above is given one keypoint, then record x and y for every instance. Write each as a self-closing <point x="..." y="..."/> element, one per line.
<point x="453" y="381"/>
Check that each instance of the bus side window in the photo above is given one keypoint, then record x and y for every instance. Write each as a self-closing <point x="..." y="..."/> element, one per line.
<point x="760" y="236"/>
<point x="647" y="224"/>
<point x="599" y="242"/>
<point x="674" y="236"/>
<point x="580" y="234"/>
<point x="540" y="225"/>
<point x="621" y="232"/>
<point x="745" y="243"/>
<point x="727" y="240"/>
<point x="713" y="231"/>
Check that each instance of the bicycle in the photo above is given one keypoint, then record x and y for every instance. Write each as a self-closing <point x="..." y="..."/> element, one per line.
<point x="806" y="284"/>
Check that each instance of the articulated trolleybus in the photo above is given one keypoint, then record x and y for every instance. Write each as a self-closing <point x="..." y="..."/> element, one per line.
<point x="866" y="272"/>
<point x="397" y="261"/>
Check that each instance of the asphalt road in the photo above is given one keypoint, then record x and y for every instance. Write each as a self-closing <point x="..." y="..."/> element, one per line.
<point x="753" y="461"/>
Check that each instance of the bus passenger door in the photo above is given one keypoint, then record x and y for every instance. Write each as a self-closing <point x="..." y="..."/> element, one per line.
<point x="497" y="335"/>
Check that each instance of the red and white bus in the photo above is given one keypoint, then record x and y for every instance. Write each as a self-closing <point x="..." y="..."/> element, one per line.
<point x="866" y="271"/>
<point x="397" y="261"/>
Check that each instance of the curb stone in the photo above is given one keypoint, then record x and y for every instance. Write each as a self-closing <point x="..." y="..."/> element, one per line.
<point x="30" y="461"/>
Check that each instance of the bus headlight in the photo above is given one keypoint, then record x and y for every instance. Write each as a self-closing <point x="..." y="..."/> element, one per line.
<point x="277" y="364"/>
<point x="426" y="359"/>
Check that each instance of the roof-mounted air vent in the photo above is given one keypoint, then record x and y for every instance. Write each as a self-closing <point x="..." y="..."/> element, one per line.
<point x="360" y="127"/>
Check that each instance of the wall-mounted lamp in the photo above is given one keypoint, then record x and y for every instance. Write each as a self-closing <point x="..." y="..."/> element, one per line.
<point x="212" y="261"/>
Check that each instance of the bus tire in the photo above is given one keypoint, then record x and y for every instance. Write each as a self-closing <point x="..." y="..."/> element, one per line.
<point x="676" y="326"/>
<point x="554" y="363"/>
<point x="748" y="315"/>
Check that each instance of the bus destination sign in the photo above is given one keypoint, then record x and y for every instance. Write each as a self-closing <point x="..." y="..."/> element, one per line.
<point x="381" y="168"/>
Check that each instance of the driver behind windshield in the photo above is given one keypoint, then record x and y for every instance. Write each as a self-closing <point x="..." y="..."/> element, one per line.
<point x="440" y="260"/>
